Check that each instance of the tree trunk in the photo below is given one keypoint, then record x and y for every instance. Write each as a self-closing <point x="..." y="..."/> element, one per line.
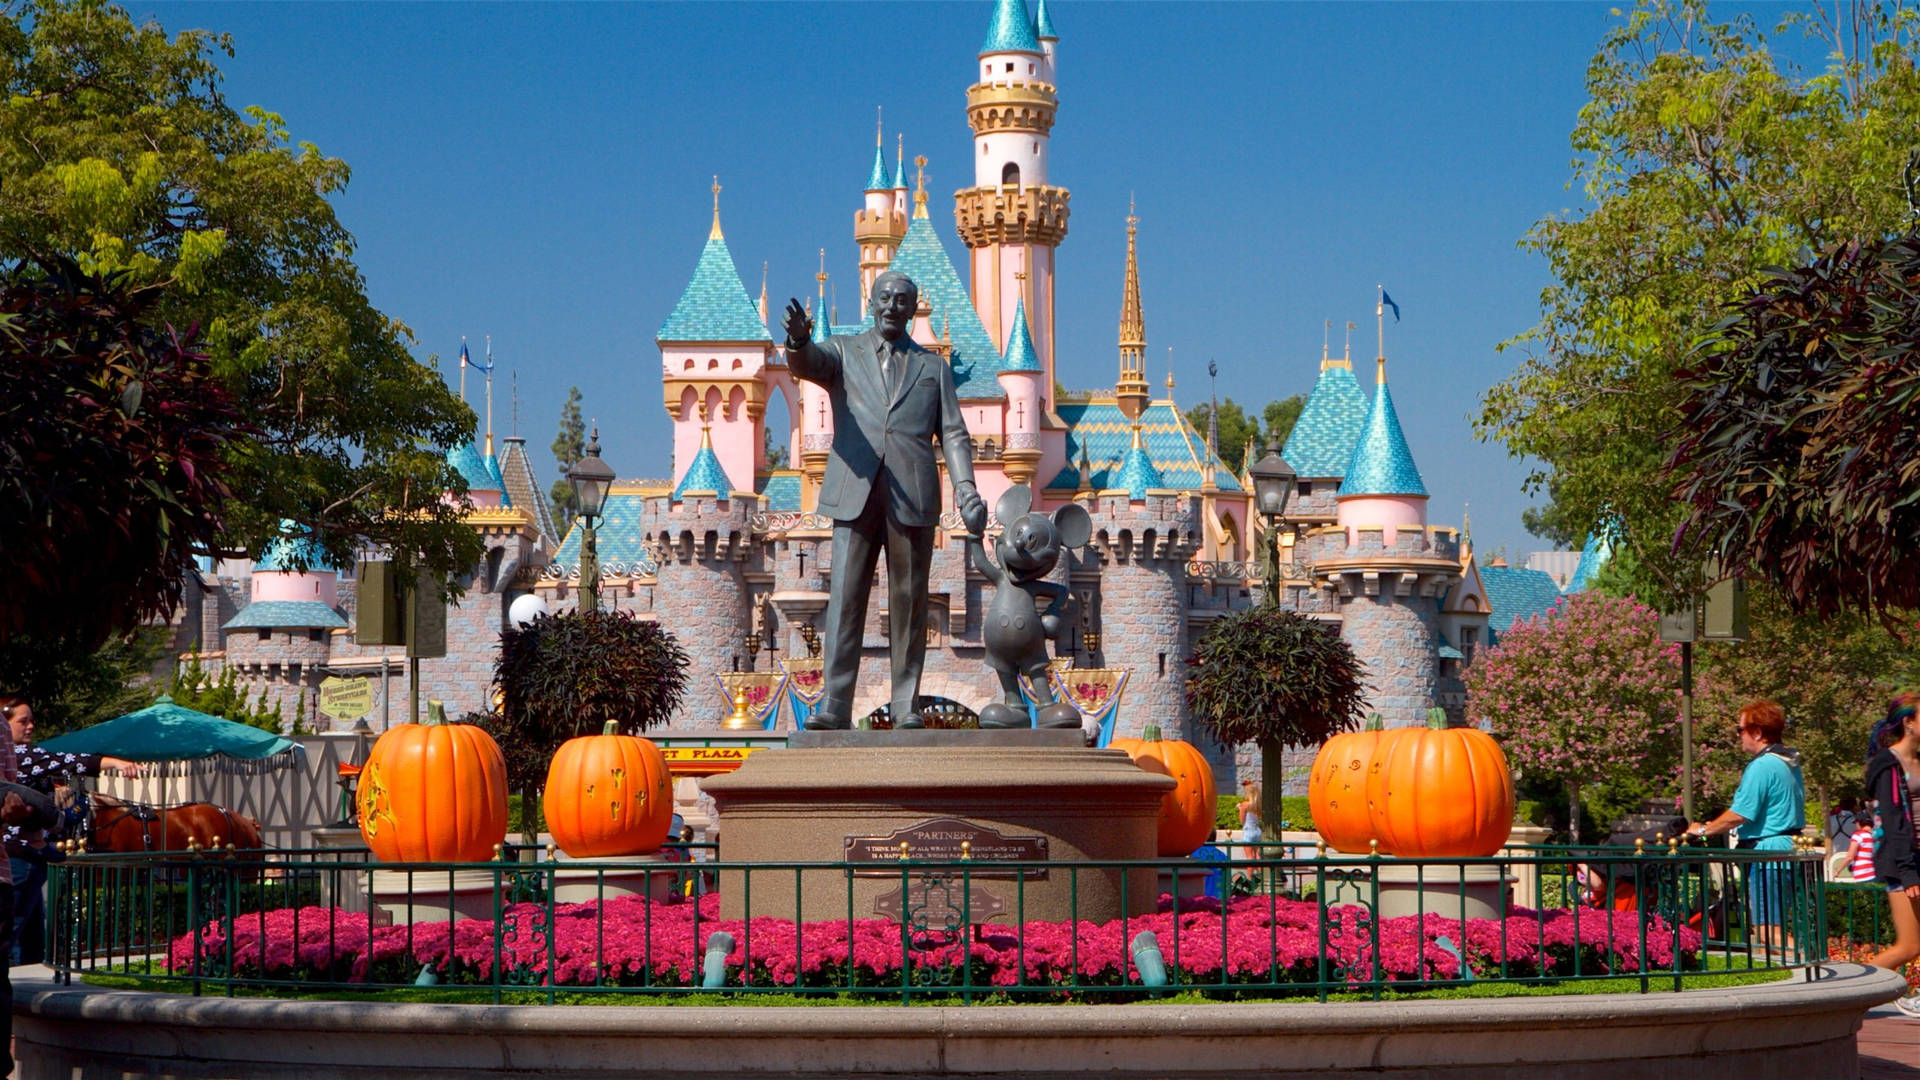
<point x="1273" y="776"/>
<point x="1573" y="811"/>
<point x="530" y="815"/>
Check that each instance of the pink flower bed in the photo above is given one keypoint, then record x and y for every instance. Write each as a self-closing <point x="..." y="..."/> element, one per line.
<point x="661" y="944"/>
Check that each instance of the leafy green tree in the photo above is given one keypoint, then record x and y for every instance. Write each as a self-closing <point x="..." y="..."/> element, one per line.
<point x="569" y="446"/>
<point x="1796" y="459"/>
<point x="1276" y="678"/>
<point x="73" y="686"/>
<point x="114" y="444"/>
<point x="1705" y="159"/>
<point x="119" y="150"/>
<point x="1237" y="428"/>
<point x="1832" y="675"/>
<point x="224" y="697"/>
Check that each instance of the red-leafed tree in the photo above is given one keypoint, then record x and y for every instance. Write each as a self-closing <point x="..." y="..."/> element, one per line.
<point x="113" y="437"/>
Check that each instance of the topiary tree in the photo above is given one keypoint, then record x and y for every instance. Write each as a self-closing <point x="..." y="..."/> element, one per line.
<point x="572" y="673"/>
<point x="1587" y="695"/>
<point x="1274" y="678"/>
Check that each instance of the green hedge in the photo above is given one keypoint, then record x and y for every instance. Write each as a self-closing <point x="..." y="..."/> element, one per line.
<point x="1859" y="913"/>
<point x="1293" y="811"/>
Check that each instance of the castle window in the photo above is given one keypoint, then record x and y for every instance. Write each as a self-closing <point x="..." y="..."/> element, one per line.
<point x="1029" y="69"/>
<point x="1306" y="488"/>
<point x="315" y="635"/>
<point x="1010" y="174"/>
<point x="266" y="634"/>
<point x="1009" y="67"/>
<point x="1469" y="641"/>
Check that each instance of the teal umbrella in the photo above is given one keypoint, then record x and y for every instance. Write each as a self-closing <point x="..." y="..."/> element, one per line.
<point x="164" y="731"/>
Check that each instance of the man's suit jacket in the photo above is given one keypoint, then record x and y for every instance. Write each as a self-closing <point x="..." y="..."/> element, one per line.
<point x="878" y="425"/>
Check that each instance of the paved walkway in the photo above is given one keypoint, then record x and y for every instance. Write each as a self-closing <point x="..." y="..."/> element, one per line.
<point x="1889" y="1046"/>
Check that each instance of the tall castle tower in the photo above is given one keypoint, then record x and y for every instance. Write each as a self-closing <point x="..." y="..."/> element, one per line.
<point x="1011" y="219"/>
<point x="880" y="225"/>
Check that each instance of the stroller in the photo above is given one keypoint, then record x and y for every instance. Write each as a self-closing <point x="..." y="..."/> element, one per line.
<point x="1637" y="872"/>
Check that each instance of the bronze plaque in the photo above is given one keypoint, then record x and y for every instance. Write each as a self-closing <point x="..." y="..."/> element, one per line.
<point x="948" y="840"/>
<point x="937" y="903"/>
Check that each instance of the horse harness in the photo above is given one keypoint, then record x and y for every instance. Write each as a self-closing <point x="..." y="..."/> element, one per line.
<point x="148" y="815"/>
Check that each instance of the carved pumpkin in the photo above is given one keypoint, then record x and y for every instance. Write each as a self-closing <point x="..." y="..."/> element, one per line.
<point x="433" y="792"/>
<point x="1337" y="788"/>
<point x="1440" y="792"/>
<point x="608" y="794"/>
<point x="1186" y="812"/>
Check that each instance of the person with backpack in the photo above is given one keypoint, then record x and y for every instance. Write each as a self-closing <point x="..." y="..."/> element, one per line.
<point x="1893" y="783"/>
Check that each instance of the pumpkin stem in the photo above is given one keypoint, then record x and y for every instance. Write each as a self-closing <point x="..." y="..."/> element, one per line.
<point x="436" y="712"/>
<point x="611" y="727"/>
<point x="1376" y="722"/>
<point x="1151" y="734"/>
<point x="1437" y="719"/>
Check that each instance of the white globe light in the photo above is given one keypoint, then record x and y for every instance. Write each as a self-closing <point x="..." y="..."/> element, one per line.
<point x="525" y="610"/>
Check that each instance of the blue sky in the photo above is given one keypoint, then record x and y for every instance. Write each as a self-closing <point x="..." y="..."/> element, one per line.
<point x="541" y="174"/>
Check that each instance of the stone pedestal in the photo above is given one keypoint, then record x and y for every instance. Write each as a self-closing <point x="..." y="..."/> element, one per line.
<point x="1006" y="794"/>
<point x="439" y="895"/>
<point x="1450" y="892"/>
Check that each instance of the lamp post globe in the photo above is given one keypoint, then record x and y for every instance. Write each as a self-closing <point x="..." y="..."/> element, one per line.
<point x="590" y="478"/>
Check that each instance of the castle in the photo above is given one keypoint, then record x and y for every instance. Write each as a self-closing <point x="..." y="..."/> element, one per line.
<point x="727" y="551"/>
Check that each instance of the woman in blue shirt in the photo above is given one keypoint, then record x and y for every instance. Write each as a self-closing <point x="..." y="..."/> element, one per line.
<point x="1769" y="810"/>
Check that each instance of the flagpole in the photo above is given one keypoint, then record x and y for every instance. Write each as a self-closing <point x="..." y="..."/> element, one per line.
<point x="489" y="395"/>
<point x="1380" y="324"/>
<point x="463" y="369"/>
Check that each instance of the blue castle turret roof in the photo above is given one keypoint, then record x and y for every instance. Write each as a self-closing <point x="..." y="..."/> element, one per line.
<point x="1011" y="29"/>
<point x="292" y="551"/>
<point x="705" y="474"/>
<point x="1381" y="463"/>
<point x="466" y="461"/>
<point x="1020" y="355"/>
<point x="1330" y="424"/>
<point x="1138" y="473"/>
<point x="1044" y="24"/>
<point x="975" y="361"/>
<point x="878" y="179"/>
<point x="715" y="305"/>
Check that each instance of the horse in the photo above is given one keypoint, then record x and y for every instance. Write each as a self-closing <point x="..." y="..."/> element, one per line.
<point x="126" y="827"/>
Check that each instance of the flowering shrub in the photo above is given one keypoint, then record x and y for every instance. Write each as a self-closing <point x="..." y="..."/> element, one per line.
<point x="1586" y="694"/>
<point x="629" y="941"/>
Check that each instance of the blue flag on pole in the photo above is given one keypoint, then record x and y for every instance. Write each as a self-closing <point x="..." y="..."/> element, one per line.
<point x="486" y="368"/>
<point x="1388" y="300"/>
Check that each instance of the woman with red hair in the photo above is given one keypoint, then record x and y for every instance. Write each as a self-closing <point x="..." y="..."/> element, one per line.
<point x="1769" y="810"/>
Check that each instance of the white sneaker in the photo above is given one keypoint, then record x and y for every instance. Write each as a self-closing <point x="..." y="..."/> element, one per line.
<point x="1909" y="1006"/>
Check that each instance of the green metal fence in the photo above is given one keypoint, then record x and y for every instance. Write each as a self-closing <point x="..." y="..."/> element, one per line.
<point x="1294" y="922"/>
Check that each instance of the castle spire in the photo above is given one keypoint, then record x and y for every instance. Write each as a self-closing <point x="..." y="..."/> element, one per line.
<point x="899" y="161"/>
<point x="763" y="292"/>
<point x="489" y="453"/>
<point x="920" y="185"/>
<point x="878" y="180"/>
<point x="715" y="233"/>
<point x="1131" y="389"/>
<point x="1011" y="30"/>
<point x="822" y="326"/>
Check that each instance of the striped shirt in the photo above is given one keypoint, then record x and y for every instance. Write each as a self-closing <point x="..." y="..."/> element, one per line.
<point x="1861" y="867"/>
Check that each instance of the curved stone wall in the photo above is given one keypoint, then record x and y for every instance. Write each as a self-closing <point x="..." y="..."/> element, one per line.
<point x="1794" y="1028"/>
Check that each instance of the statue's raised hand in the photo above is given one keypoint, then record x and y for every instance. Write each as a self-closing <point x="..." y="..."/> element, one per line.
<point x="799" y="326"/>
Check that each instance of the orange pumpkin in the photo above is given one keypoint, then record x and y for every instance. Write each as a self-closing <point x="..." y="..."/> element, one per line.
<point x="1337" y="788"/>
<point x="608" y="794"/>
<point x="433" y="792"/>
<point x="1186" y="812"/>
<point x="1440" y="792"/>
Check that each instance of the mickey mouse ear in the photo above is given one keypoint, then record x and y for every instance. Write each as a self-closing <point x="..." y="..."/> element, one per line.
<point x="1017" y="501"/>
<point x="1074" y="525"/>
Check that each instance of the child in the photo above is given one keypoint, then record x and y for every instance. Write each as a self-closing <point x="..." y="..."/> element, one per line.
<point x="1860" y="852"/>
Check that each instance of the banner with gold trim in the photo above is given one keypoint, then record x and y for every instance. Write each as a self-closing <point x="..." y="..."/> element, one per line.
<point x="806" y="685"/>
<point x="1054" y="667"/>
<point x="1096" y="692"/>
<point x="762" y="689"/>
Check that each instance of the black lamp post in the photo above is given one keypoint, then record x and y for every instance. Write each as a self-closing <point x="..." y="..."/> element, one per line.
<point x="1273" y="481"/>
<point x="590" y="478"/>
